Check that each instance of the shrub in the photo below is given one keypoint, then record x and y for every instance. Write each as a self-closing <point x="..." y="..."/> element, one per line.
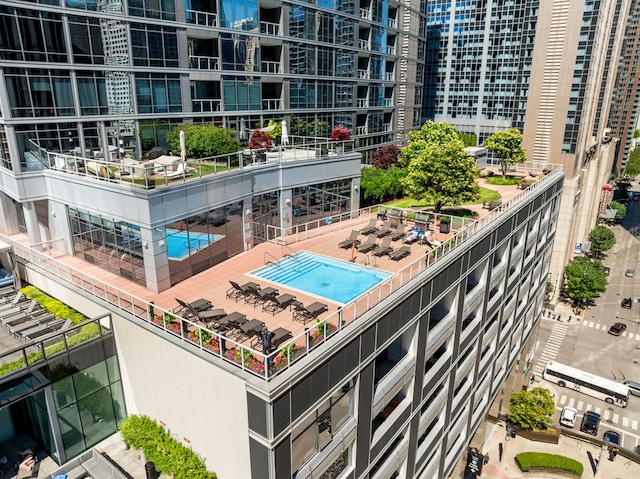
<point x="204" y="140"/>
<point x="53" y="306"/>
<point x="385" y="157"/>
<point x="260" y="141"/>
<point x="142" y="432"/>
<point x="340" y="133"/>
<point x="499" y="180"/>
<point x="528" y="460"/>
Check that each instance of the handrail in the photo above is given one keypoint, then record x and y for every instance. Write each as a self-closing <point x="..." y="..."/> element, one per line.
<point x="264" y="258"/>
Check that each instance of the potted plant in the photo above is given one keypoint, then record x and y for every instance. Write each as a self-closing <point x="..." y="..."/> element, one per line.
<point x="340" y="134"/>
<point x="259" y="143"/>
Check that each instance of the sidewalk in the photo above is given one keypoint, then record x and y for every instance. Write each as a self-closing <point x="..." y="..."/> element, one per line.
<point x="621" y="467"/>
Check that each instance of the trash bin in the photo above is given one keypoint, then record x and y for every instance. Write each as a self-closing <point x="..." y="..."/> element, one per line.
<point x="445" y="225"/>
<point x="150" y="469"/>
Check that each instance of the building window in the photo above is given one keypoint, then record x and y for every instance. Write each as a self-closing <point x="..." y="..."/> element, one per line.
<point x="158" y="93"/>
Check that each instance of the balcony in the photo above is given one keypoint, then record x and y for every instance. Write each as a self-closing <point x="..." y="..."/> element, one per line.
<point x="206" y="105"/>
<point x="386" y="127"/>
<point x="387" y="102"/>
<point x="361" y="130"/>
<point x="207" y="19"/>
<point x="365" y="13"/>
<point x="389" y="76"/>
<point x="270" y="28"/>
<point x="271" y="67"/>
<point x="392" y="22"/>
<point x="364" y="44"/>
<point x="203" y="63"/>
<point x="362" y="103"/>
<point x="363" y="74"/>
<point x="391" y="49"/>
<point x="272" y="104"/>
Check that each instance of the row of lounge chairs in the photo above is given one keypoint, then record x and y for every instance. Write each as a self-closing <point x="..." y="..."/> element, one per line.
<point x="383" y="248"/>
<point x="268" y="298"/>
<point x="375" y="233"/>
<point x="26" y="319"/>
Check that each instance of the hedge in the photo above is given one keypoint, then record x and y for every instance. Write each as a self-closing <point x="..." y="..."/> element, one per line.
<point x="530" y="460"/>
<point x="159" y="447"/>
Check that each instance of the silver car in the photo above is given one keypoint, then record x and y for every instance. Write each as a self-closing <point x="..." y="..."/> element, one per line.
<point x="568" y="417"/>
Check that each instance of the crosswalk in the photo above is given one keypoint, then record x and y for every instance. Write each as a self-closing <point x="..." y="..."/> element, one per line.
<point x="605" y="327"/>
<point x="551" y="348"/>
<point x="607" y="415"/>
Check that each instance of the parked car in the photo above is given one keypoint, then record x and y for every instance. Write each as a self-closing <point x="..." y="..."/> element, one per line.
<point x="626" y="303"/>
<point x="568" y="417"/>
<point x="614" y="437"/>
<point x="590" y="423"/>
<point x="634" y="387"/>
<point x="617" y="329"/>
<point x="629" y="273"/>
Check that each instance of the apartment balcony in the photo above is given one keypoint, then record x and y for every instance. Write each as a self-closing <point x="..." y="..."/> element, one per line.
<point x="389" y="76"/>
<point x="364" y="44"/>
<point x="365" y="13"/>
<point x="270" y="28"/>
<point x="206" y="105"/>
<point x="392" y="22"/>
<point x="387" y="102"/>
<point x="363" y="74"/>
<point x="272" y="104"/>
<point x="361" y="130"/>
<point x="386" y="127"/>
<point x="206" y="19"/>
<point x="362" y="103"/>
<point x="391" y="49"/>
<point x="204" y="63"/>
<point x="271" y="67"/>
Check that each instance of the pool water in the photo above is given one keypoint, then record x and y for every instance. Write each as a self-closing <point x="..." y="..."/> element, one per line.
<point x="321" y="276"/>
<point x="181" y="243"/>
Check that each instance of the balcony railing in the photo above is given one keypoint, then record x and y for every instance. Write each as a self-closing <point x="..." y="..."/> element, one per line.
<point x="365" y="13"/>
<point x="362" y="103"/>
<point x="389" y="76"/>
<point x="207" y="19"/>
<point x="204" y="63"/>
<point x="391" y="49"/>
<point x="364" y="44"/>
<point x="387" y="102"/>
<point x="206" y="105"/>
<point x="272" y="104"/>
<point x="361" y="130"/>
<point x="392" y="22"/>
<point x="364" y="74"/>
<point x="270" y="28"/>
<point x="386" y="127"/>
<point x="271" y="67"/>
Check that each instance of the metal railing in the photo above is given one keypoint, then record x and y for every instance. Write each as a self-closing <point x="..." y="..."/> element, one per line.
<point x="364" y="44"/>
<point x="269" y="28"/>
<point x="206" y="105"/>
<point x="391" y="49"/>
<point x="389" y="76"/>
<point x="364" y="74"/>
<point x="392" y="22"/>
<point x="272" y="104"/>
<point x="245" y="357"/>
<point x="365" y="13"/>
<point x="203" y="63"/>
<point x="207" y="19"/>
<point x="362" y="103"/>
<point x="271" y="67"/>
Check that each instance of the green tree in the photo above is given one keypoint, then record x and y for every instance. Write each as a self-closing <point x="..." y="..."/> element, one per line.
<point x="584" y="280"/>
<point x="633" y="163"/>
<point x="532" y="409"/>
<point x="385" y="157"/>
<point x="438" y="168"/>
<point x="636" y="134"/>
<point x="276" y="132"/>
<point x="507" y="146"/>
<point x="621" y="210"/>
<point x="380" y="185"/>
<point x="468" y="139"/>
<point x="204" y="140"/>
<point x="300" y="127"/>
<point x="602" y="239"/>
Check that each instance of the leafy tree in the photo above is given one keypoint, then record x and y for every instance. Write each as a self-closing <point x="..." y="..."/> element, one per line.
<point x="633" y="163"/>
<point x="260" y="141"/>
<point x="532" y="409"/>
<point x="380" y="185"/>
<point x="276" y="132"/>
<point x="317" y="128"/>
<point x="602" y="239"/>
<point x="507" y="146"/>
<point x="636" y="134"/>
<point x="468" y="139"/>
<point x="438" y="168"/>
<point x="385" y="157"/>
<point x="204" y="140"/>
<point x="621" y="210"/>
<point x="583" y="280"/>
<point x="548" y="291"/>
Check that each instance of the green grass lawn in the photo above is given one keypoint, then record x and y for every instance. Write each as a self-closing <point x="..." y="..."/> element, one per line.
<point x="486" y="195"/>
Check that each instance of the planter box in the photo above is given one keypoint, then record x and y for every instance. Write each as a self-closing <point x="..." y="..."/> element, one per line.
<point x="540" y="436"/>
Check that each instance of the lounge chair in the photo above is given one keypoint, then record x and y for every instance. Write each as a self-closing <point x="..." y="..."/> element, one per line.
<point x="237" y="292"/>
<point x="23" y="308"/>
<point x="259" y="296"/>
<point x="370" y="228"/>
<point x="199" y="305"/>
<point x="369" y="245"/>
<point x="384" y="230"/>
<point x="279" y="303"/>
<point x="206" y="316"/>
<point x="251" y="329"/>
<point x="400" y="253"/>
<point x="352" y="240"/>
<point x="16" y="300"/>
<point x="384" y="248"/>
<point x="46" y="328"/>
<point x="399" y="234"/>
<point x="280" y="335"/>
<point x="309" y="313"/>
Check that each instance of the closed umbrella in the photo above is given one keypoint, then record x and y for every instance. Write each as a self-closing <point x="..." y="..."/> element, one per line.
<point x="242" y="135"/>
<point x="285" y="133"/>
<point x="183" y="147"/>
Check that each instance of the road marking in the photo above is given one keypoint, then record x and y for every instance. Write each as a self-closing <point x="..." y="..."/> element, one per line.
<point x="625" y="421"/>
<point x="634" y="425"/>
<point x="563" y="399"/>
<point x="571" y="402"/>
<point x="624" y="333"/>
<point x="605" y="416"/>
<point x="598" y="326"/>
<point x="615" y="418"/>
<point x="580" y="405"/>
<point x="637" y="337"/>
<point x="589" y="324"/>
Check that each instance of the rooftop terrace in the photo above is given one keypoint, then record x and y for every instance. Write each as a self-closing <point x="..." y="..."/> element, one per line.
<point x="157" y="310"/>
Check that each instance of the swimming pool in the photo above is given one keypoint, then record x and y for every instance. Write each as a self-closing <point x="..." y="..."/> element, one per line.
<point x="181" y="243"/>
<point x="322" y="276"/>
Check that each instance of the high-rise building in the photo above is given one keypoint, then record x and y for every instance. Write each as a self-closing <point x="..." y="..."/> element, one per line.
<point x="545" y="68"/>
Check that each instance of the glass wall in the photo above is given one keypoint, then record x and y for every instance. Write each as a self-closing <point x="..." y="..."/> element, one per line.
<point x="197" y="242"/>
<point x="321" y="200"/>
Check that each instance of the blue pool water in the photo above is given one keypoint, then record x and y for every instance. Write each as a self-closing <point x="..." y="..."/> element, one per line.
<point x="321" y="276"/>
<point x="181" y="243"/>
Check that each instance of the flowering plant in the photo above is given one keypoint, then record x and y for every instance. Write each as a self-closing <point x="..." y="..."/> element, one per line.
<point x="340" y="133"/>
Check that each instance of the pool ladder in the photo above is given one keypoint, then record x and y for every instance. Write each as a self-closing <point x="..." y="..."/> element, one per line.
<point x="370" y="260"/>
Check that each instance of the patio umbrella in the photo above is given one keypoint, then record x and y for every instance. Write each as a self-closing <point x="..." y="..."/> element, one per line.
<point x="242" y="135"/>
<point x="183" y="147"/>
<point x="285" y="133"/>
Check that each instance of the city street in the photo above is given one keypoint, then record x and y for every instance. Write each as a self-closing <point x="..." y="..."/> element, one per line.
<point x="586" y="344"/>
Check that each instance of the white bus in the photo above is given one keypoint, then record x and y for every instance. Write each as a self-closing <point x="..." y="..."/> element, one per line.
<point x="587" y="383"/>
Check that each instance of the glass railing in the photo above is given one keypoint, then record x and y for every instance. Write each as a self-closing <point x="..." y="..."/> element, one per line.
<point x="246" y="357"/>
<point x="207" y="19"/>
<point x="204" y="63"/>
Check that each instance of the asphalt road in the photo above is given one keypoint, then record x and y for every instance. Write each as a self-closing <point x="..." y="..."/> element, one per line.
<point x="587" y="345"/>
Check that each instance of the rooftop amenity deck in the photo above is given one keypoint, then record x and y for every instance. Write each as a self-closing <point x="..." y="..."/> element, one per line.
<point x="240" y="346"/>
